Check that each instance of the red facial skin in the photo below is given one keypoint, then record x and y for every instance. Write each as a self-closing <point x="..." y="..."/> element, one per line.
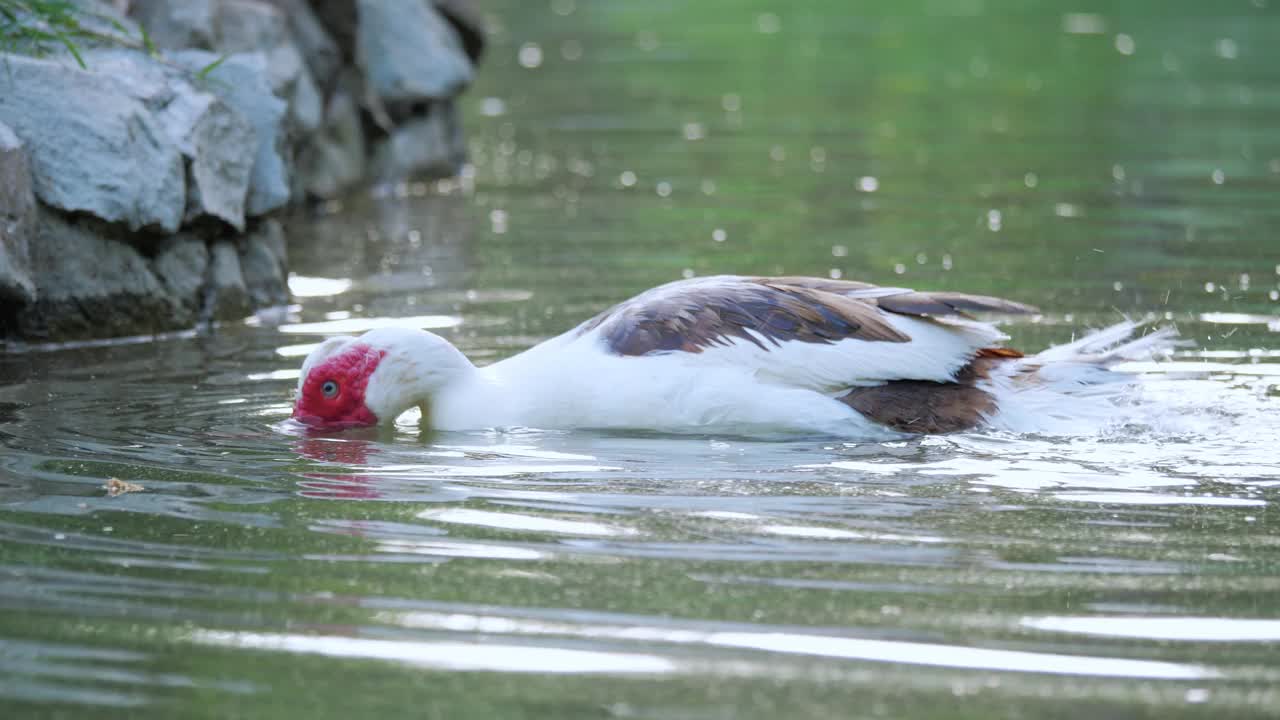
<point x="350" y="369"/>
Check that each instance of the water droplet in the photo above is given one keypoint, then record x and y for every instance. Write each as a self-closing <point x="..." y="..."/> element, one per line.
<point x="1226" y="49"/>
<point x="1274" y="295"/>
<point x="1125" y="44"/>
<point x="492" y="107"/>
<point x="818" y="154"/>
<point x="835" y="273"/>
<point x="839" y="251"/>
<point x="768" y="23"/>
<point x="571" y="50"/>
<point x="719" y="235"/>
<point x="1030" y="180"/>
<point x="1219" y="177"/>
<point x="647" y="41"/>
<point x="708" y="187"/>
<point x="946" y="262"/>
<point x="1244" y="281"/>
<point x="498" y="221"/>
<point x="921" y="258"/>
<point x="1210" y="287"/>
<point x="900" y="269"/>
<point x="663" y="189"/>
<point x="777" y="153"/>
<point x="731" y="102"/>
<point x="694" y="131"/>
<point x="1066" y="210"/>
<point x="867" y="183"/>
<point x="530" y="55"/>
<point x="995" y="220"/>
<point x="1083" y="24"/>
<point x="1197" y="695"/>
<point x="687" y="273"/>
<point x="1117" y="286"/>
<point x="627" y="178"/>
<point x="1117" y="172"/>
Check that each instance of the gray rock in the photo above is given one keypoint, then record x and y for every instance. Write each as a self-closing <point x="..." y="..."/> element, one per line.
<point x="229" y="296"/>
<point x="177" y="24"/>
<point x="408" y="52"/>
<point x="181" y="264"/>
<point x="93" y="145"/>
<point x="263" y="264"/>
<point x="334" y="161"/>
<point x="249" y="26"/>
<point x="17" y="202"/>
<point x="287" y="72"/>
<point x="220" y="145"/>
<point x="430" y="145"/>
<point x="243" y="82"/>
<point x="320" y="50"/>
<point x="90" y="285"/>
<point x="467" y="20"/>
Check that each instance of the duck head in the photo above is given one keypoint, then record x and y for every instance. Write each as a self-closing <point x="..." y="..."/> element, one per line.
<point x="356" y="382"/>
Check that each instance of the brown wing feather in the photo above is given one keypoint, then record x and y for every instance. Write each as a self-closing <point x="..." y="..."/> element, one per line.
<point x="691" y="315"/>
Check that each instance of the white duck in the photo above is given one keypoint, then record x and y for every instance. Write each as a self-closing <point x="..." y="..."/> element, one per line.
<point x="738" y="354"/>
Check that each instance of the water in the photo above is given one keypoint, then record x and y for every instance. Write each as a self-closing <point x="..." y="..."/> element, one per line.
<point x="1093" y="165"/>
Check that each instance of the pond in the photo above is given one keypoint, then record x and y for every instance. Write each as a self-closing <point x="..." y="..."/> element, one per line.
<point x="170" y="547"/>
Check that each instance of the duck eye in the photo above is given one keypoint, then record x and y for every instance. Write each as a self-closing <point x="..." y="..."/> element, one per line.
<point x="330" y="389"/>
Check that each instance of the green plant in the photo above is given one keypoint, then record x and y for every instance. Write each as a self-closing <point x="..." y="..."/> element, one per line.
<point x="35" y="24"/>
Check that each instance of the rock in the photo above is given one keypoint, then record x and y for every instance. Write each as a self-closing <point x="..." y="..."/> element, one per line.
<point x="229" y="297"/>
<point x="177" y="24"/>
<point x="181" y="264"/>
<point x="263" y="264"/>
<point x="408" y="52"/>
<point x="242" y="82"/>
<point x="219" y="145"/>
<point x="90" y="285"/>
<point x="93" y="146"/>
<point x="249" y="26"/>
<point x="430" y="145"/>
<point x="322" y="55"/>
<point x="17" y="202"/>
<point x="467" y="20"/>
<point x="335" y="159"/>
<point x="289" y="78"/>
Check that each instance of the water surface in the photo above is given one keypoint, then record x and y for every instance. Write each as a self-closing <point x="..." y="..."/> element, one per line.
<point x="1097" y="165"/>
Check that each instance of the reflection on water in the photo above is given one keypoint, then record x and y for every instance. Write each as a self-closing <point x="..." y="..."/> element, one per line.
<point x="1096" y="165"/>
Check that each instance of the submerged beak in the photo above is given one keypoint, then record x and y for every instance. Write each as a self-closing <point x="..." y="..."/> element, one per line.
<point x="362" y="419"/>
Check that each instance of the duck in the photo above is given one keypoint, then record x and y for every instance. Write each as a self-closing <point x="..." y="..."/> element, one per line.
<point x="742" y="354"/>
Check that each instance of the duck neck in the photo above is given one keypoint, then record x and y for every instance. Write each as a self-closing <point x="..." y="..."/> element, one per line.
<point x="473" y="400"/>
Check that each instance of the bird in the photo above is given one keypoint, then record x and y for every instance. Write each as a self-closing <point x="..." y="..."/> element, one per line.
<point x="741" y="354"/>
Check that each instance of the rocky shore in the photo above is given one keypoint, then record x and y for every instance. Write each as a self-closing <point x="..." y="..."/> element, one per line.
<point x="141" y="193"/>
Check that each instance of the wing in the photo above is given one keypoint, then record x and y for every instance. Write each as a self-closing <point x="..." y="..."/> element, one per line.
<point x="811" y="332"/>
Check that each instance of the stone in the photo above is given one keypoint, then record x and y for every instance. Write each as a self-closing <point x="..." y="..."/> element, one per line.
<point x="264" y="265"/>
<point x="287" y="72"/>
<point x="334" y="160"/>
<point x="243" y="82"/>
<point x="430" y="145"/>
<point x="408" y="52"/>
<point x="467" y="20"/>
<point x="93" y="145"/>
<point x="249" y="26"/>
<point x="17" y="202"/>
<point x="321" y="52"/>
<point x="228" y="294"/>
<point x="177" y="24"/>
<point x="89" y="284"/>
<point x="181" y="264"/>
<point x="219" y="145"/>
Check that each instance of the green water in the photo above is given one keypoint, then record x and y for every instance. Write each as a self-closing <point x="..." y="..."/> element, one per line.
<point x="1094" y="162"/>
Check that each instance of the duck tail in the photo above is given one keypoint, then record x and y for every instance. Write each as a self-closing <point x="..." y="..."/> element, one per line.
<point x="1077" y="386"/>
